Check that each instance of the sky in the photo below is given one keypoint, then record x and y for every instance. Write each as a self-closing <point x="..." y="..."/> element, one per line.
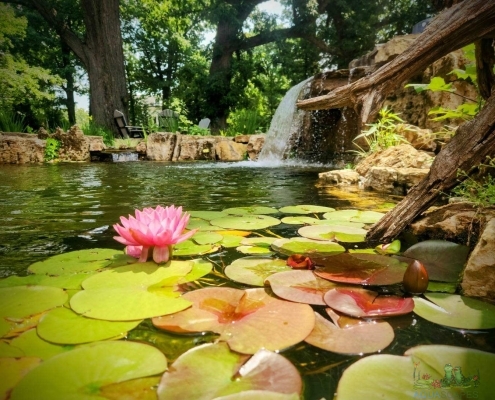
<point x="272" y="6"/>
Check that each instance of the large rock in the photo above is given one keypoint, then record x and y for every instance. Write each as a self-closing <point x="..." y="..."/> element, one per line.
<point x="254" y="146"/>
<point x="341" y="177"/>
<point x="96" y="143"/>
<point x="197" y="148"/>
<point x="393" y="180"/>
<point x="21" y="149"/>
<point x="402" y="156"/>
<point x="160" y="146"/>
<point x="479" y="274"/>
<point x="74" y="145"/>
<point x="230" y="151"/>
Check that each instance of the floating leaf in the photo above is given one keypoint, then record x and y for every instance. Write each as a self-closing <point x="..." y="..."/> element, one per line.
<point x="346" y="234"/>
<point x="389" y="248"/>
<point x="253" y="250"/>
<point x="455" y="311"/>
<point x="248" y="320"/>
<point x="254" y="210"/>
<point x="307" y="247"/>
<point x="72" y="281"/>
<point x="254" y="270"/>
<point x="80" y="373"/>
<point x="261" y="241"/>
<point x="141" y="388"/>
<point x="305" y="209"/>
<point x="442" y="287"/>
<point x="208" y="215"/>
<point x="6" y="350"/>
<point x="198" y="223"/>
<point x="34" y="346"/>
<point x="360" y="337"/>
<point x="361" y="269"/>
<point x="66" y="327"/>
<point x="199" y="269"/>
<point x="366" y="217"/>
<point x="443" y="260"/>
<point x="401" y="377"/>
<point x="13" y="369"/>
<point x="230" y="241"/>
<point x="259" y="394"/>
<point x="300" y="286"/>
<point x="18" y="326"/>
<point x="5" y="327"/>
<point x="251" y="222"/>
<point x="228" y="373"/>
<point x="133" y="292"/>
<point x="75" y="261"/>
<point x="362" y="303"/>
<point x="207" y="237"/>
<point x="23" y="301"/>
<point x="300" y="220"/>
<point x="190" y="248"/>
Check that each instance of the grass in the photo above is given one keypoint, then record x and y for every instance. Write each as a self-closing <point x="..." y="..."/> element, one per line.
<point x="11" y="121"/>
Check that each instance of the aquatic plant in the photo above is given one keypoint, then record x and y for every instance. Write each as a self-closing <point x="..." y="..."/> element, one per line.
<point x="52" y="148"/>
<point x="156" y="229"/>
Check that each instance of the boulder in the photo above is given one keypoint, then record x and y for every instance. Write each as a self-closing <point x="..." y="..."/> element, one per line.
<point x="74" y="145"/>
<point x="242" y="139"/>
<point x="160" y="146"/>
<point x="479" y="274"/>
<point x="393" y="180"/>
<point x="402" y="156"/>
<point x="254" y="146"/>
<point x="230" y="151"/>
<point x="197" y="147"/>
<point x="341" y="177"/>
<point x="21" y="149"/>
<point x="96" y="143"/>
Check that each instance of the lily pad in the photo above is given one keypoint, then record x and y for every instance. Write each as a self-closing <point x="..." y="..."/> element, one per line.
<point x="133" y="292"/>
<point x="207" y="237"/>
<point x="305" y="209"/>
<point x="251" y="222"/>
<point x="359" y="337"/>
<point x="13" y="369"/>
<point x="208" y="215"/>
<point x="261" y="241"/>
<point x="64" y="326"/>
<point x="254" y="250"/>
<point x="230" y="241"/>
<point x="367" y="217"/>
<point x="300" y="286"/>
<point x="254" y="210"/>
<point x="72" y="281"/>
<point x="228" y="373"/>
<point x="307" y="247"/>
<point x="141" y="388"/>
<point x="199" y="269"/>
<point x="7" y="350"/>
<point x="5" y="327"/>
<point x="190" y="248"/>
<point x="34" y="346"/>
<point x="198" y="223"/>
<point x="340" y="233"/>
<point x="75" y="261"/>
<point x="389" y="248"/>
<point x="248" y="320"/>
<point x="443" y="260"/>
<point x="361" y="269"/>
<point x="455" y="311"/>
<point x="23" y="301"/>
<point x="80" y="373"/>
<point x="254" y="270"/>
<point x="362" y="303"/>
<point x="423" y="371"/>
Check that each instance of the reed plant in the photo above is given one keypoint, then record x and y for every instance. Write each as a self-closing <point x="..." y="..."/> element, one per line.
<point x="11" y="121"/>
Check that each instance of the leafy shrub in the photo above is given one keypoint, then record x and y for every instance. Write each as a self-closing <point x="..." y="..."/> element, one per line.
<point x="480" y="191"/>
<point x="91" y="129"/>
<point x="11" y="121"/>
<point x="52" y="148"/>
<point x="245" y="122"/>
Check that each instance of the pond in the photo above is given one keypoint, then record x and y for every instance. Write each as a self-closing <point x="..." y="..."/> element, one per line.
<point x="57" y="208"/>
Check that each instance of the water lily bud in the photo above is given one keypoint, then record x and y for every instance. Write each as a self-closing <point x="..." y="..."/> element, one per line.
<point x="298" y="261"/>
<point x="415" y="279"/>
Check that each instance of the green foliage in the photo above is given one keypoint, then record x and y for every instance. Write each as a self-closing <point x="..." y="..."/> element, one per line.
<point x="436" y="84"/>
<point x="51" y="149"/>
<point x="481" y="191"/>
<point x="11" y="122"/>
<point x="466" y="111"/>
<point x="92" y="129"/>
<point x="382" y="134"/>
<point x="246" y="122"/>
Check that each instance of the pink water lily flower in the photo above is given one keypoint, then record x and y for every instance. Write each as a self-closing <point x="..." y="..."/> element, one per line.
<point x="156" y="229"/>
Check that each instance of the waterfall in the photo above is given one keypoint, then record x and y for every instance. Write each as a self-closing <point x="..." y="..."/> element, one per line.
<point x="124" y="156"/>
<point x="285" y="123"/>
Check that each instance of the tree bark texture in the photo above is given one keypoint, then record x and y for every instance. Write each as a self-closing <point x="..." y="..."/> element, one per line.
<point x="452" y="29"/>
<point x="469" y="147"/>
<point x="485" y="60"/>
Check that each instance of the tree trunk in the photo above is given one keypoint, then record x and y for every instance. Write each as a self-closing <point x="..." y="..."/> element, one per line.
<point x="69" y="87"/>
<point x="485" y="60"/>
<point x="450" y="30"/>
<point x="469" y="147"/>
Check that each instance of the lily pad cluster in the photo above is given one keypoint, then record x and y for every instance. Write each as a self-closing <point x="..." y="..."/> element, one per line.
<point x="67" y="327"/>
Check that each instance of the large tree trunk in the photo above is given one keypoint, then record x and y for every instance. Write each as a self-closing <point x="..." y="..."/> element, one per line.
<point x="452" y="29"/>
<point x="469" y="147"/>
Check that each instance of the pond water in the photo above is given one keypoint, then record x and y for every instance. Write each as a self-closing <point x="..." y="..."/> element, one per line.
<point x="54" y="208"/>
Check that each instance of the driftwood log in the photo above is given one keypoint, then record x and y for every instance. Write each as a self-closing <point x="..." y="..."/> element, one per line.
<point x="464" y="23"/>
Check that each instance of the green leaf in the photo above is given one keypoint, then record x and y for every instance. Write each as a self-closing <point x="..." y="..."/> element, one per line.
<point x="254" y="210"/>
<point x="254" y="270"/>
<point x="34" y="346"/>
<point x="305" y="209"/>
<point x="307" y="247"/>
<point x="249" y="222"/>
<point x="346" y="234"/>
<point x="23" y="301"/>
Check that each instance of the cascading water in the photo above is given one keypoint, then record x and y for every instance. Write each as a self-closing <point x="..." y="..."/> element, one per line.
<point x="285" y="123"/>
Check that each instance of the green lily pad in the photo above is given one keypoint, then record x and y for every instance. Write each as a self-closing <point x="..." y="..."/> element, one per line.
<point x="261" y="241"/>
<point x="436" y="371"/>
<point x="199" y="269"/>
<point x="23" y="301"/>
<point x="366" y="217"/>
<point x="141" y="388"/>
<point x="254" y="270"/>
<point x="253" y="250"/>
<point x="207" y="215"/>
<point x="301" y="286"/>
<point x="207" y="237"/>
<point x="198" y="223"/>
<point x="190" y="248"/>
<point x="5" y="327"/>
<point x="13" y="369"/>
<point x="75" y="261"/>
<point x="443" y="260"/>
<point x="259" y="394"/>
<point x="389" y="248"/>
<point x="7" y="350"/>
<point x="250" y="222"/>
<point x="358" y="337"/>
<point x="80" y="373"/>
<point x="340" y="233"/>
<point x="230" y="241"/>
<point x="307" y="247"/>
<point x="64" y="326"/>
<point x="305" y="209"/>
<point x="133" y="292"/>
<point x="240" y="317"/>
<point x="228" y="373"/>
<point x="254" y="210"/>
<point x="442" y="287"/>
<point x="455" y="311"/>
<point x="21" y="280"/>
<point x="72" y="281"/>
<point x="34" y="346"/>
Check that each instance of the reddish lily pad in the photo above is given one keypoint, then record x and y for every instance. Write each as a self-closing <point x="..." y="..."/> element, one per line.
<point x="227" y="373"/>
<point x="300" y="286"/>
<point x="307" y="247"/>
<point x="359" y="337"/>
<point x="135" y="389"/>
<point x="361" y="269"/>
<point x="248" y="320"/>
<point x="254" y="270"/>
<point x="347" y="234"/>
<point x="362" y="303"/>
